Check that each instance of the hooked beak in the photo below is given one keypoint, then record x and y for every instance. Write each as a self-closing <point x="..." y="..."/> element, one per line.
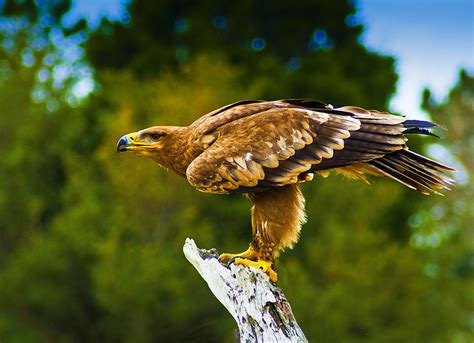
<point x="126" y="141"/>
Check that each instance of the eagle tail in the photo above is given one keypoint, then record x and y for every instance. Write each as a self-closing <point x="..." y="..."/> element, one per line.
<point x="414" y="171"/>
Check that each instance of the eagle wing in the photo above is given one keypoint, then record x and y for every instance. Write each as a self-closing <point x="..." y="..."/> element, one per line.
<point x="282" y="145"/>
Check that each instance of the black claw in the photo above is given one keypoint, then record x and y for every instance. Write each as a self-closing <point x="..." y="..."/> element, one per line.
<point x="222" y="261"/>
<point x="232" y="260"/>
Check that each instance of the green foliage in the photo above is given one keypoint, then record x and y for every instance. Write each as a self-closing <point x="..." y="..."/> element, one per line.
<point x="453" y="218"/>
<point x="166" y="33"/>
<point x="90" y="246"/>
<point x="309" y="52"/>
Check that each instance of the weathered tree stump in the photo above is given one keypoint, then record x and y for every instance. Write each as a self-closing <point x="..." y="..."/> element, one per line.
<point x="260" y="308"/>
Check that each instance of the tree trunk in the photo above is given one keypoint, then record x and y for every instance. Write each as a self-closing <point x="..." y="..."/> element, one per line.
<point x="260" y="309"/>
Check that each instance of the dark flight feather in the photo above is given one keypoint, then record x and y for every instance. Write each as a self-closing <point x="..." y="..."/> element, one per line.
<point x="420" y="127"/>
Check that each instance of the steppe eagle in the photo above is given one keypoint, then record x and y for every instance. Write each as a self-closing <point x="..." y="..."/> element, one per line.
<point x="264" y="149"/>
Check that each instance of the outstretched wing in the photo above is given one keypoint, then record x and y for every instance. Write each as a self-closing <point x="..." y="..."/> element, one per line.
<point x="282" y="146"/>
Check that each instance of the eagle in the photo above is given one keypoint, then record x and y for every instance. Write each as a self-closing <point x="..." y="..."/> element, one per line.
<point x="265" y="149"/>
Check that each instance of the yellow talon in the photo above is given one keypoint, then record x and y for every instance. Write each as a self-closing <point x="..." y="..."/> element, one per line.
<point x="265" y="266"/>
<point x="248" y="254"/>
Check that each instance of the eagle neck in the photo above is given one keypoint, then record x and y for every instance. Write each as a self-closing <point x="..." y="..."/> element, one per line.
<point x="181" y="154"/>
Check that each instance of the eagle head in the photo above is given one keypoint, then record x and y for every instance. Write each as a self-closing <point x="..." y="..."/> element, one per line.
<point x="162" y="144"/>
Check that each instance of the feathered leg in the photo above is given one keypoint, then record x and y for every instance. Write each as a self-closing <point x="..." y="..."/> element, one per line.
<point x="277" y="216"/>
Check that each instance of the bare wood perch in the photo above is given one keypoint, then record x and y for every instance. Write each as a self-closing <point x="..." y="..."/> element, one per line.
<point x="260" y="309"/>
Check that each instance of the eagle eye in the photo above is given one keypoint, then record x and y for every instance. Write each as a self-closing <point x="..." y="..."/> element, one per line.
<point x="155" y="136"/>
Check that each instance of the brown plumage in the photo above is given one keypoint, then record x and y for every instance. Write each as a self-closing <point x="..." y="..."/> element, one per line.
<point x="264" y="149"/>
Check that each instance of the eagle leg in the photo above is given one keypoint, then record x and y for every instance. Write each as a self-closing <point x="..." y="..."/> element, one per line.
<point x="277" y="215"/>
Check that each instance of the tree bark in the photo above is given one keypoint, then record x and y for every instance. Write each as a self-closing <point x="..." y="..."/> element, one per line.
<point x="260" y="308"/>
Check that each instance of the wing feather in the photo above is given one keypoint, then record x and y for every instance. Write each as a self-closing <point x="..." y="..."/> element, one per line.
<point x="379" y="138"/>
<point x="270" y="144"/>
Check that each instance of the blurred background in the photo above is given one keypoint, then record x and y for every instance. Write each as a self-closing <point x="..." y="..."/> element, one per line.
<point x="90" y="242"/>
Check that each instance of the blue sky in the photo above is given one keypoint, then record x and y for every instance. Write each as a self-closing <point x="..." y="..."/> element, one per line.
<point x="94" y="10"/>
<point x="430" y="39"/>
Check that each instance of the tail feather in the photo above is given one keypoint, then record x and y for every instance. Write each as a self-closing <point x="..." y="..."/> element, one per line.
<point x="414" y="171"/>
<point x="396" y="175"/>
<point x="420" y="127"/>
<point x="425" y="160"/>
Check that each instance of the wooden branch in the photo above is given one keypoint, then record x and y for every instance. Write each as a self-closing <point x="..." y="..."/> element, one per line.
<point x="260" y="309"/>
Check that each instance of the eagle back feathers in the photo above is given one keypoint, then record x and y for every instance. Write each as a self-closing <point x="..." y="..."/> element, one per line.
<point x="252" y="146"/>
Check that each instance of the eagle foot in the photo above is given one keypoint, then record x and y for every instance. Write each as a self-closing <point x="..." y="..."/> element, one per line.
<point x="265" y="266"/>
<point x="249" y="254"/>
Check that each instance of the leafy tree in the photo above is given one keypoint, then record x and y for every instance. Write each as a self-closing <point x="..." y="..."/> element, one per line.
<point x="453" y="216"/>
<point x="34" y="39"/>
<point x="308" y="51"/>
<point x="40" y="69"/>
